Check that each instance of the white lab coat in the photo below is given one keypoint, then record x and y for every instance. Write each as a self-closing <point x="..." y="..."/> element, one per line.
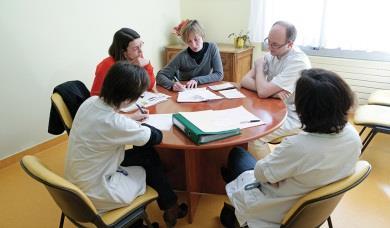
<point x="299" y="164"/>
<point x="96" y="149"/>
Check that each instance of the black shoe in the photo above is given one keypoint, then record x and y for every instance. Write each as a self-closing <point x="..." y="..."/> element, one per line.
<point x="139" y="224"/>
<point x="171" y="220"/>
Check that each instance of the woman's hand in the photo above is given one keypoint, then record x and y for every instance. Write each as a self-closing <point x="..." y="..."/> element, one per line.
<point x="140" y="61"/>
<point x="177" y="86"/>
<point x="138" y="115"/>
<point x="192" y="84"/>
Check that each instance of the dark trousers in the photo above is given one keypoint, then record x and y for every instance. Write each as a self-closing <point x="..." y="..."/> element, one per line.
<point x="148" y="158"/>
<point x="239" y="161"/>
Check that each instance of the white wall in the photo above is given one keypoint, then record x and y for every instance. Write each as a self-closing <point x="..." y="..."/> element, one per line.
<point x="44" y="43"/>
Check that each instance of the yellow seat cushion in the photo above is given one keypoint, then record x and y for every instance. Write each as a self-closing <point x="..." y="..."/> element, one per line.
<point x="377" y="115"/>
<point x="111" y="216"/>
<point x="380" y="97"/>
<point x="361" y="169"/>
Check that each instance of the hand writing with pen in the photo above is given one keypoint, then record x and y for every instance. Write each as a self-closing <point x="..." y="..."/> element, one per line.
<point x="139" y="115"/>
<point x="177" y="86"/>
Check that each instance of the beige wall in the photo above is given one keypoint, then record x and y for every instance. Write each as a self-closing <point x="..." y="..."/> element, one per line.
<point x="44" y="43"/>
<point x="220" y="18"/>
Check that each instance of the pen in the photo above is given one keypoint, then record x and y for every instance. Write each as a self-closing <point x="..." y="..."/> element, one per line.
<point x="176" y="79"/>
<point x="250" y="121"/>
<point x="140" y="109"/>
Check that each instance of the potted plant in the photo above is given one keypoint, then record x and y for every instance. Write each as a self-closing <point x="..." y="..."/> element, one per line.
<point x="240" y="40"/>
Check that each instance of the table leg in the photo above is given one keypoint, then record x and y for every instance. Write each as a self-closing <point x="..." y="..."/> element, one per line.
<point x="192" y="181"/>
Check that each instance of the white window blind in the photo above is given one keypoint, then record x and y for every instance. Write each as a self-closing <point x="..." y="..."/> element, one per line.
<point x="358" y="25"/>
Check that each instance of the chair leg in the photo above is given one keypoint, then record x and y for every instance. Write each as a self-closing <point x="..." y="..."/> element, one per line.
<point x="146" y="219"/>
<point x="330" y="225"/>
<point x="62" y="220"/>
<point x="368" y="139"/>
<point x="361" y="131"/>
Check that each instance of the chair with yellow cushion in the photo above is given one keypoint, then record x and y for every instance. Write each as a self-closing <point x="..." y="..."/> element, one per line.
<point x="376" y="117"/>
<point x="77" y="207"/>
<point x="315" y="208"/>
<point x="63" y="111"/>
<point x="379" y="97"/>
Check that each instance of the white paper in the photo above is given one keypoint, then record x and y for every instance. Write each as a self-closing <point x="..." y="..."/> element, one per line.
<point x="147" y="99"/>
<point x="162" y="122"/>
<point x="232" y="93"/>
<point x="222" y="120"/>
<point x="222" y="86"/>
<point x="197" y="95"/>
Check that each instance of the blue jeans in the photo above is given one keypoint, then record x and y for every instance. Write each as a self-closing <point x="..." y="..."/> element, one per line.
<point x="239" y="161"/>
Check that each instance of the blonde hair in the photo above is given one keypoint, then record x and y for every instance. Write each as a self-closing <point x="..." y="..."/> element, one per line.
<point x="192" y="26"/>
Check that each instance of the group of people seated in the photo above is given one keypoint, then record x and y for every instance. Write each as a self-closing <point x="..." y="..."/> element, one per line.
<point x="321" y="147"/>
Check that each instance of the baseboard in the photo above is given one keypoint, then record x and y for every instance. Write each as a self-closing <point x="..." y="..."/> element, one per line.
<point x="33" y="150"/>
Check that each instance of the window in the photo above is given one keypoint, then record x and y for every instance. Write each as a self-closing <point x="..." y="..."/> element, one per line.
<point x="341" y="28"/>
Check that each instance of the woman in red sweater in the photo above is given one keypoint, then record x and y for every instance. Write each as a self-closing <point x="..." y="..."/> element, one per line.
<point x="126" y="45"/>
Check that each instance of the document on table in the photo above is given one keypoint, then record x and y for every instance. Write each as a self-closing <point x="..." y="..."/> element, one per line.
<point x="222" y="120"/>
<point x="147" y="99"/>
<point x="232" y="93"/>
<point x="197" y="95"/>
<point x="163" y="122"/>
<point x="222" y="86"/>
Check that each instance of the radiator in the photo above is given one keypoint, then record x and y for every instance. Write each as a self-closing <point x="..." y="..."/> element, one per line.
<point x="363" y="76"/>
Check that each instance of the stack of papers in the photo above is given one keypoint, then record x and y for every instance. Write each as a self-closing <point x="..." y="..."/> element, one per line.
<point x="163" y="122"/>
<point x="147" y="99"/>
<point x="223" y="120"/>
<point x="232" y="93"/>
<point x="222" y="86"/>
<point x="197" y="95"/>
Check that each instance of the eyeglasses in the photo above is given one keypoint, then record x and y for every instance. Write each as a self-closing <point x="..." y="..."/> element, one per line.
<point x="138" y="47"/>
<point x="273" y="45"/>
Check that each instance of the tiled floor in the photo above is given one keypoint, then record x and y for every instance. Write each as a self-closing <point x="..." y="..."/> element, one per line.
<point x="25" y="203"/>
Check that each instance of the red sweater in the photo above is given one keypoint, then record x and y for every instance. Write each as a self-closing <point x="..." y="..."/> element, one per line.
<point x="102" y="69"/>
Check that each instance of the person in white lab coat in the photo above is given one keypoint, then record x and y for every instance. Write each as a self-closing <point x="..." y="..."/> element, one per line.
<point x="96" y="160"/>
<point x="261" y="192"/>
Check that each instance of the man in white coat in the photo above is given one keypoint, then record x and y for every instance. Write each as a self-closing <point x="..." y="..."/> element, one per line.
<point x="274" y="75"/>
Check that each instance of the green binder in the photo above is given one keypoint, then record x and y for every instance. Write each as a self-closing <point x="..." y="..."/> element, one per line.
<point x="198" y="136"/>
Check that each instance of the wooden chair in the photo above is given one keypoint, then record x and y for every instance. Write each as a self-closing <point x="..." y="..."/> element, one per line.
<point x="77" y="207"/>
<point x="313" y="209"/>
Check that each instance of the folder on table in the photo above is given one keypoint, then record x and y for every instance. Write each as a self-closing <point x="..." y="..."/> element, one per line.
<point x="197" y="135"/>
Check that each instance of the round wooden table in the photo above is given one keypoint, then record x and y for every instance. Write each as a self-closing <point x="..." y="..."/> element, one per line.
<point x="196" y="168"/>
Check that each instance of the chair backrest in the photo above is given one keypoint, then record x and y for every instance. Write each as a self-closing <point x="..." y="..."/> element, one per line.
<point x="72" y="201"/>
<point x="314" y="208"/>
<point x="63" y="110"/>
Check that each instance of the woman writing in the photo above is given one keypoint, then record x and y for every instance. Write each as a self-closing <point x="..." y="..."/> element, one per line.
<point x="96" y="159"/>
<point x="200" y="63"/>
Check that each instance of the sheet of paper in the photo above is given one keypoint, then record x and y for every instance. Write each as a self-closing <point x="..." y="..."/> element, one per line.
<point x="223" y="120"/>
<point x="232" y="93"/>
<point x="197" y="95"/>
<point x="222" y="86"/>
<point x="162" y="122"/>
<point x="147" y="99"/>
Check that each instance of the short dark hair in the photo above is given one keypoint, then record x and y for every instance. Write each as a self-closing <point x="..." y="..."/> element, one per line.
<point x="291" y="31"/>
<point x="123" y="81"/>
<point x="120" y="41"/>
<point x="322" y="100"/>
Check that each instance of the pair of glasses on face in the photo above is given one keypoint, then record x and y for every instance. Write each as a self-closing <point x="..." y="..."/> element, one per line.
<point x="273" y="45"/>
<point x="137" y="47"/>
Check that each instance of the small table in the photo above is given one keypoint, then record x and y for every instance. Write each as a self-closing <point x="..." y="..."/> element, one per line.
<point x="196" y="168"/>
